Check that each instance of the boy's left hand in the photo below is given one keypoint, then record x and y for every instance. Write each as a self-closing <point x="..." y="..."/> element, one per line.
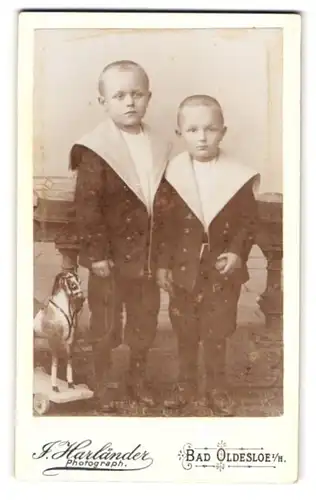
<point x="227" y="263"/>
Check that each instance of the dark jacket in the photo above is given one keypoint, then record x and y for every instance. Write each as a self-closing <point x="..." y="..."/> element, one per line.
<point x="180" y="233"/>
<point x="112" y="221"/>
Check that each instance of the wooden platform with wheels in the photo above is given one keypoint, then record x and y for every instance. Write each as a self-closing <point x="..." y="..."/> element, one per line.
<point x="43" y="395"/>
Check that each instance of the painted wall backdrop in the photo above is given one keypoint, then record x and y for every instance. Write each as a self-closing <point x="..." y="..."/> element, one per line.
<point x="242" y="68"/>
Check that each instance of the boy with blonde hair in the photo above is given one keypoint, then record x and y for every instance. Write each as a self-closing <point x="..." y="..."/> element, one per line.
<point x="119" y="168"/>
<point x="207" y="229"/>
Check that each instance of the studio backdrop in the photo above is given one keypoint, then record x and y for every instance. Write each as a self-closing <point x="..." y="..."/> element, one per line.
<point x="242" y="68"/>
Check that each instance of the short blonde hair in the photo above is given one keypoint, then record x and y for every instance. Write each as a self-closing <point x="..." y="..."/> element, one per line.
<point x="198" y="100"/>
<point x="123" y="65"/>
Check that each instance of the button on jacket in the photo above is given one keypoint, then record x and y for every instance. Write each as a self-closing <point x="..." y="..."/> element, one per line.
<point x="111" y="211"/>
<point x="180" y="225"/>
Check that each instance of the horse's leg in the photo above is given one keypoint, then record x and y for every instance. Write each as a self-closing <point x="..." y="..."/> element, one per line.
<point x="54" y="373"/>
<point x="70" y="381"/>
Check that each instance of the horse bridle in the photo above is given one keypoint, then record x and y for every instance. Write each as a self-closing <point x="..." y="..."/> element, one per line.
<point x="72" y="292"/>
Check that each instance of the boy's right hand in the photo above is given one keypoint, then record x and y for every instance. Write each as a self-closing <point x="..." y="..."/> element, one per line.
<point x="102" y="268"/>
<point x="164" y="280"/>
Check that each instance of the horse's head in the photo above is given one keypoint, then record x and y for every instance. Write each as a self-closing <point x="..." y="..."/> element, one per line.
<point x="69" y="282"/>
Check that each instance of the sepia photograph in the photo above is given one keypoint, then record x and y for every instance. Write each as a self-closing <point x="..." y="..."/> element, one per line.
<point x="158" y="222"/>
<point x="158" y="231"/>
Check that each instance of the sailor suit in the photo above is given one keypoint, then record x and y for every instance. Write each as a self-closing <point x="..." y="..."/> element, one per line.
<point x="117" y="180"/>
<point x="206" y="210"/>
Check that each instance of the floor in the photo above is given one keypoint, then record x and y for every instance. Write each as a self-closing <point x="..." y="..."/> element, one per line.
<point x="253" y="355"/>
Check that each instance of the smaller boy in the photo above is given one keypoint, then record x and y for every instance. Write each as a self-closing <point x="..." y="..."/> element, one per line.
<point x="206" y="231"/>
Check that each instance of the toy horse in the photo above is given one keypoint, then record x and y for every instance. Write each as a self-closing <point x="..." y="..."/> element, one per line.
<point x="57" y="322"/>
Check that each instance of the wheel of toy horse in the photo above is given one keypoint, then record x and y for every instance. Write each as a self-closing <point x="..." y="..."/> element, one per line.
<point x="41" y="404"/>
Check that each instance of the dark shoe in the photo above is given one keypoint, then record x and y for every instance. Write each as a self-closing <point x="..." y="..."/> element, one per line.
<point x="220" y="403"/>
<point x="178" y="399"/>
<point x="136" y="387"/>
<point x="105" y="399"/>
<point x="145" y="397"/>
<point x="139" y="393"/>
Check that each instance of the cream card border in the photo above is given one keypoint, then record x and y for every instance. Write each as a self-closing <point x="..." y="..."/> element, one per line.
<point x="162" y="438"/>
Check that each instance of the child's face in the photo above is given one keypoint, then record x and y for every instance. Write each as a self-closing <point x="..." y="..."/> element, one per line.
<point x="202" y="129"/>
<point x="126" y="97"/>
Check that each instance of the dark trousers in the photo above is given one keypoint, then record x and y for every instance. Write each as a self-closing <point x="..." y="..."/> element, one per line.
<point x="107" y="297"/>
<point x="106" y="321"/>
<point x="208" y="314"/>
<point x="141" y="298"/>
